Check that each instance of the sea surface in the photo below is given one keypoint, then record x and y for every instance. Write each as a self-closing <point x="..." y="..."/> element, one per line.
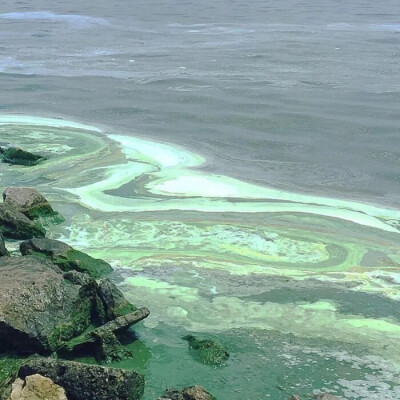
<point x="238" y="163"/>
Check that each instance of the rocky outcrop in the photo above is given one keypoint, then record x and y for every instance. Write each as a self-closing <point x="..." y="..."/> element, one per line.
<point x="36" y="387"/>
<point x="15" y="225"/>
<point x="104" y="337"/>
<point x="109" y="349"/>
<point x="31" y="203"/>
<point x="189" y="393"/>
<point x="66" y="257"/>
<point x="84" y="382"/>
<point x="17" y="156"/>
<point x="39" y="310"/>
<point x="207" y="351"/>
<point x="114" y="301"/>
<point x="3" y="250"/>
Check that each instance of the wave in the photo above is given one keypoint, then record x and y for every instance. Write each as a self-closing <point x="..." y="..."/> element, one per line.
<point x="72" y="19"/>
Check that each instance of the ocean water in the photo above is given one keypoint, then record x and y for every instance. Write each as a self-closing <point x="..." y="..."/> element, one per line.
<point x="238" y="164"/>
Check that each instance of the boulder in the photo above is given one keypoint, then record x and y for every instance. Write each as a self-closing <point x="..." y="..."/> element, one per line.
<point x="17" y="156"/>
<point x="188" y="393"/>
<point x="295" y="397"/>
<point x="39" y="310"/>
<point x="325" y="396"/>
<point x="3" y="250"/>
<point x="87" y="382"/>
<point x="109" y="349"/>
<point x="207" y="351"/>
<point x="115" y="326"/>
<point x="66" y="257"/>
<point x="115" y="303"/>
<point x="31" y="203"/>
<point x="15" y="225"/>
<point x="36" y="387"/>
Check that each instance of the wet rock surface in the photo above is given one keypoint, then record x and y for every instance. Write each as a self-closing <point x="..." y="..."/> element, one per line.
<point x="84" y="381"/>
<point x="15" y="225"/>
<point x="39" y="310"/>
<point x="207" y="351"/>
<point x="66" y="257"/>
<point x="105" y="334"/>
<point x="188" y="393"/>
<point x="114" y="301"/>
<point x="17" y="156"/>
<point x="30" y="202"/>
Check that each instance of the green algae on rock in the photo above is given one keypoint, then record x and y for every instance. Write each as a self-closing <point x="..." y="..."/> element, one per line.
<point x="188" y="393"/>
<point x="66" y="257"/>
<point x="9" y="366"/>
<point x="115" y="303"/>
<point x="83" y="381"/>
<point x="39" y="310"/>
<point x="17" y="156"/>
<point x="31" y="203"/>
<point x="15" y="225"/>
<point x="207" y="351"/>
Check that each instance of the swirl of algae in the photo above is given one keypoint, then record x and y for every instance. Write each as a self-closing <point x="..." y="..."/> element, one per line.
<point x="181" y="232"/>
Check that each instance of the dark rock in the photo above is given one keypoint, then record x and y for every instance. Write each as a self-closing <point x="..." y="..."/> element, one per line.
<point x="207" y="351"/>
<point x="66" y="257"/>
<point x="115" y="326"/>
<point x="196" y="393"/>
<point x="294" y="397"/>
<point x="15" y="225"/>
<point x="325" y="396"/>
<point x="87" y="382"/>
<point x="3" y="250"/>
<point x="89" y="287"/>
<point x="109" y="349"/>
<point x="31" y="203"/>
<point x="115" y="303"/>
<point x="39" y="310"/>
<point x="189" y="393"/>
<point x="16" y="156"/>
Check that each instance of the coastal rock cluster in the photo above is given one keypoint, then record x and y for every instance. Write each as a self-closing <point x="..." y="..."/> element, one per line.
<point x="53" y="305"/>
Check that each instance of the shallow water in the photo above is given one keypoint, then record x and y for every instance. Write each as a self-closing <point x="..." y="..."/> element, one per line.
<point x="238" y="165"/>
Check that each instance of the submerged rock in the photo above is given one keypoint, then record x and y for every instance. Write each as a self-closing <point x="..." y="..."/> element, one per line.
<point x="114" y="301"/>
<point x="325" y="396"/>
<point x="66" y="257"/>
<point x="15" y="225"/>
<point x="31" y="203"/>
<point x="87" y="382"/>
<point x="17" y="156"/>
<point x="36" y="387"/>
<point x="3" y="250"/>
<point x="207" y="351"/>
<point x="189" y="393"/>
<point x="39" y="310"/>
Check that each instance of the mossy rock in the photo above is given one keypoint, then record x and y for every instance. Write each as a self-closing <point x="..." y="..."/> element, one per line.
<point x="66" y="257"/>
<point x="15" y="225"/>
<point x="39" y="309"/>
<point x="17" y="156"/>
<point x="207" y="351"/>
<point x="9" y="366"/>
